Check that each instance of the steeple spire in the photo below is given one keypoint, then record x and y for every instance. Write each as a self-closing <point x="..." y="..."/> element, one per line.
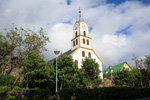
<point x="79" y="14"/>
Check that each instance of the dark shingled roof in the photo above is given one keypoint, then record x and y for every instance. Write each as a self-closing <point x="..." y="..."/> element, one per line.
<point x="66" y="53"/>
<point x="69" y="52"/>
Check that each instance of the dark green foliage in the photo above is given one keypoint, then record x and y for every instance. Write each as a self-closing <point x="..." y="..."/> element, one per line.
<point x="34" y="68"/>
<point x="127" y="78"/>
<point x="5" y="49"/>
<point x="70" y="76"/>
<point x="105" y="93"/>
<point x="8" y="93"/>
<point x="143" y="65"/>
<point x="68" y="73"/>
<point x="36" y="94"/>
<point x="7" y="80"/>
<point x="90" y="69"/>
<point x="51" y="75"/>
<point x="17" y="93"/>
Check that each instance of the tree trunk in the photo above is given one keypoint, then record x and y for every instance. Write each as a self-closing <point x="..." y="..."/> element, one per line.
<point x="61" y="85"/>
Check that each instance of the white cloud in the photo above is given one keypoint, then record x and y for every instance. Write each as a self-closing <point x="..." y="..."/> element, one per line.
<point x="105" y="20"/>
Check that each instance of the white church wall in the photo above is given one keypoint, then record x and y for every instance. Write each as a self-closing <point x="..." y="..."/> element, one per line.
<point x="85" y="45"/>
<point x="78" y="56"/>
<point x="76" y="45"/>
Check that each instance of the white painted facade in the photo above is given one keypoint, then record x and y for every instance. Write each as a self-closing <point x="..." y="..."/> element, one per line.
<point x="77" y="55"/>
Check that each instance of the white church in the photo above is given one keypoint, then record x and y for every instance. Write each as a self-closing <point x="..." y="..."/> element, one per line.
<point x="81" y="44"/>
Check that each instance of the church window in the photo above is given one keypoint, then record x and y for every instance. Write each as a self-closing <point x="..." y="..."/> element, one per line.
<point x="84" y="33"/>
<point x="73" y="43"/>
<point x="76" y="41"/>
<point x="83" y="54"/>
<point x="76" y="62"/>
<point x="83" y="41"/>
<point x="76" y="34"/>
<point x="87" y="42"/>
<point x="89" y="54"/>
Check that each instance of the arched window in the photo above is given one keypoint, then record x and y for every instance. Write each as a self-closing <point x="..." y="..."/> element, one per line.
<point x="76" y="34"/>
<point x="89" y="54"/>
<point x="84" y="33"/>
<point x="73" y="43"/>
<point x="83" y="54"/>
<point x="83" y="41"/>
<point x="76" y="41"/>
<point x="76" y="62"/>
<point x="87" y="42"/>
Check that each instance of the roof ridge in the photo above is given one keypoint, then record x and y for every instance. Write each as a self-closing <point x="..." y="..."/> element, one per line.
<point x="120" y="63"/>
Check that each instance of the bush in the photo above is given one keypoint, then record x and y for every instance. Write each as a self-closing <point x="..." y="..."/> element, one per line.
<point x="36" y="94"/>
<point x="7" y="80"/>
<point x="105" y="93"/>
<point x="17" y="93"/>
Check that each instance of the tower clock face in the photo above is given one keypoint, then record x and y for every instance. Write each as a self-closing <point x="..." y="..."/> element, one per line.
<point x="84" y="25"/>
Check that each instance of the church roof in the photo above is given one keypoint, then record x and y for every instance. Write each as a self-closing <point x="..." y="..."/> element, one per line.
<point x="69" y="52"/>
<point x="114" y="68"/>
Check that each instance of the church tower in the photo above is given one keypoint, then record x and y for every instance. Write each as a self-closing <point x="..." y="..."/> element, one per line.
<point x="81" y="34"/>
<point x="81" y="44"/>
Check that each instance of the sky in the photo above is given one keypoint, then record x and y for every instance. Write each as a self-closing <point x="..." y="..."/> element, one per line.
<point x="120" y="29"/>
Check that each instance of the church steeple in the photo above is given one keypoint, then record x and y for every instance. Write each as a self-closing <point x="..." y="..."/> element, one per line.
<point x="81" y="34"/>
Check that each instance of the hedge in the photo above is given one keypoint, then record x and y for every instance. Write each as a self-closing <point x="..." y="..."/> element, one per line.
<point x="17" y="93"/>
<point x="104" y="93"/>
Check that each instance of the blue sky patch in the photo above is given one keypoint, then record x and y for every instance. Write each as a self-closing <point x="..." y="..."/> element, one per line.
<point x="68" y="2"/>
<point x="67" y="22"/>
<point x="90" y="29"/>
<point x="124" y="31"/>
<point x="117" y="2"/>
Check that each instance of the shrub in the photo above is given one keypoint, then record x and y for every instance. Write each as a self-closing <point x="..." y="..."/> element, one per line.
<point x="105" y="93"/>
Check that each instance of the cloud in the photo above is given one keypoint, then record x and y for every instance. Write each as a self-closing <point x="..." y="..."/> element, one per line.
<point x="105" y="20"/>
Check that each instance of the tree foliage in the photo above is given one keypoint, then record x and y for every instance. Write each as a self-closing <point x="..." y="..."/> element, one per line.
<point x="68" y="73"/>
<point x="24" y="40"/>
<point x="90" y="69"/>
<point x="5" y="49"/>
<point x="19" y="41"/>
<point x="127" y="78"/>
<point x="7" y="80"/>
<point x="34" y="71"/>
<point x="143" y="65"/>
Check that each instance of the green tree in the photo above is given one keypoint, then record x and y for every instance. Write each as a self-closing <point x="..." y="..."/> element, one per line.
<point x="34" y="71"/>
<point x="51" y="72"/>
<point x="68" y="73"/>
<point x="138" y="62"/>
<point x="147" y="67"/>
<point x="7" y="80"/>
<point x="90" y="69"/>
<point x="127" y="78"/>
<point x="24" y="40"/>
<point x="19" y="41"/>
<point x="5" y="49"/>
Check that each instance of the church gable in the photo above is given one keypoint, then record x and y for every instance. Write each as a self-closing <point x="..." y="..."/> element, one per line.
<point x="81" y="53"/>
